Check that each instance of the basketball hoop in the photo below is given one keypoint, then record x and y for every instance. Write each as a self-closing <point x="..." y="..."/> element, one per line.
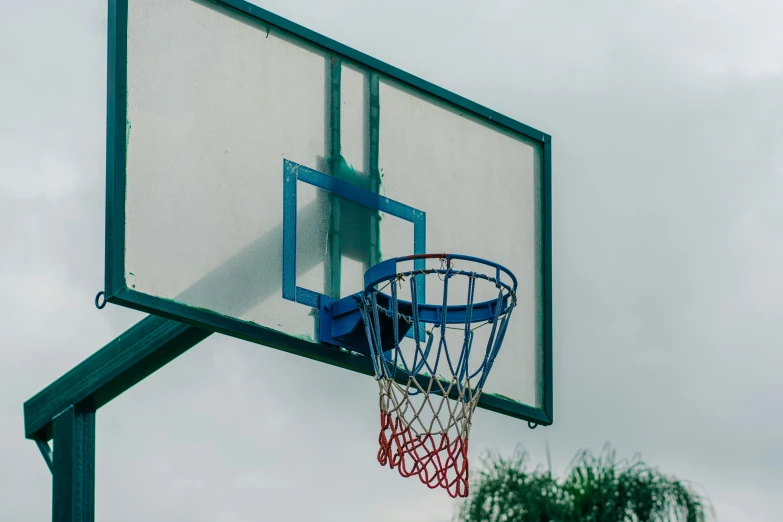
<point x="427" y="393"/>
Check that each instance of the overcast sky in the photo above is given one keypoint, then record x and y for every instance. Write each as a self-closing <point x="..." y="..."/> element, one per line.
<point x="667" y="182"/>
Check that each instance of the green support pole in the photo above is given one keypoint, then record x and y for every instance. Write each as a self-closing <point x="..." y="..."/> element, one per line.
<point x="73" y="471"/>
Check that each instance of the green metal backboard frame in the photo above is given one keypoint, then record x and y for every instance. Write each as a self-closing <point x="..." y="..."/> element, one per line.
<point x="117" y="290"/>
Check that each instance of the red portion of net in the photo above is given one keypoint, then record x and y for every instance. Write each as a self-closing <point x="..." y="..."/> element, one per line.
<point x="436" y="459"/>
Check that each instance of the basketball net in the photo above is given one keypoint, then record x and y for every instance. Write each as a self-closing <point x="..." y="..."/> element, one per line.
<point x="426" y="417"/>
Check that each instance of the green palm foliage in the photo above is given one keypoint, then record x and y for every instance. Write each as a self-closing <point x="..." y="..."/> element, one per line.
<point x="595" y="488"/>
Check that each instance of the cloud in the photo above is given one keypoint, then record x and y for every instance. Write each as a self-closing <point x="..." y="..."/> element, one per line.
<point x="667" y="176"/>
<point x="30" y="172"/>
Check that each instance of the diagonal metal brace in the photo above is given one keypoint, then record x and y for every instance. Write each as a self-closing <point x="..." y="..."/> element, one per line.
<point x="46" y="453"/>
<point x="143" y="349"/>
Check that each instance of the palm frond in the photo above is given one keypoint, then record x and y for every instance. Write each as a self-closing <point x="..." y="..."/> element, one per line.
<point x="507" y="491"/>
<point x="596" y="488"/>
